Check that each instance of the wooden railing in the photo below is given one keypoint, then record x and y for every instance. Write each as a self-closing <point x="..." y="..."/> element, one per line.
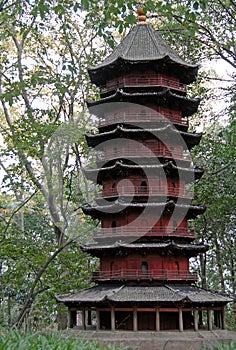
<point x="129" y="117"/>
<point x="131" y="274"/>
<point x="144" y="152"/>
<point x="133" y="231"/>
<point x="143" y="191"/>
<point x="143" y="82"/>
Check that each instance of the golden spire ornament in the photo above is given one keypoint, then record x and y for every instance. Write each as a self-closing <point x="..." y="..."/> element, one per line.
<point x="141" y="16"/>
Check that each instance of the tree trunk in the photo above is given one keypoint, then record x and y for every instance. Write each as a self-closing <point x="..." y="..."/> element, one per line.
<point x="219" y="264"/>
<point x="203" y="270"/>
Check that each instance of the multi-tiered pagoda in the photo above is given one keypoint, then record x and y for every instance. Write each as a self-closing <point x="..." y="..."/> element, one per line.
<point x="145" y="239"/>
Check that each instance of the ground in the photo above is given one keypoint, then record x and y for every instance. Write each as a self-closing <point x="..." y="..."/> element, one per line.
<point x="172" y="340"/>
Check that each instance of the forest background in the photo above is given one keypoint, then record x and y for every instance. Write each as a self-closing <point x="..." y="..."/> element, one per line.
<point x="46" y="47"/>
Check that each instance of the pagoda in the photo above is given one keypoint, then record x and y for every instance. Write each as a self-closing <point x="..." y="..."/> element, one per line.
<point x="145" y="239"/>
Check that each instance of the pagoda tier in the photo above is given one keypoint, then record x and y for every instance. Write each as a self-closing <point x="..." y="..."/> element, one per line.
<point x="146" y="80"/>
<point x="141" y="262"/>
<point x="164" y="98"/>
<point x="140" y="186"/>
<point x="136" y="114"/>
<point x="145" y="238"/>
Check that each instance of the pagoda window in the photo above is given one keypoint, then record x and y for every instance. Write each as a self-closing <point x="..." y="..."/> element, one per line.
<point x="177" y="266"/>
<point x="175" y="225"/>
<point x="141" y="78"/>
<point x="113" y="225"/>
<point x="143" y="187"/>
<point x="112" y="267"/>
<point x="113" y="187"/>
<point x="144" y="267"/>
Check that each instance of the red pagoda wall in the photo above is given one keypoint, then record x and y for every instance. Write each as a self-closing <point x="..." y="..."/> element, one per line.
<point x="149" y="148"/>
<point x="136" y="113"/>
<point x="169" y="186"/>
<point x="144" y="79"/>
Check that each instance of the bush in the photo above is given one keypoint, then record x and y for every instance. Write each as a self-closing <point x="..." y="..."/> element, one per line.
<point x="14" y="340"/>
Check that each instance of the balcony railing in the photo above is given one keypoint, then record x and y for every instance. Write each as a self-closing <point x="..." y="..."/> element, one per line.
<point x="133" y="231"/>
<point x="131" y="274"/>
<point x="144" y="152"/>
<point x="143" y="191"/>
<point x="129" y="117"/>
<point x="143" y="82"/>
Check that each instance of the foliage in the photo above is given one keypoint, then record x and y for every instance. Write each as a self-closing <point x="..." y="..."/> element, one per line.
<point x="24" y="256"/>
<point x="230" y="346"/>
<point x="217" y="189"/>
<point x="14" y="340"/>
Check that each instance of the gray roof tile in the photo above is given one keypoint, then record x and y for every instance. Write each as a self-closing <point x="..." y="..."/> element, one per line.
<point x="143" y="44"/>
<point x="157" y="294"/>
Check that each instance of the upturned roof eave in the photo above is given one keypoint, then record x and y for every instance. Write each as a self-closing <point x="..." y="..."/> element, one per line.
<point x="144" y="60"/>
<point x="96" y="73"/>
<point x="171" y="245"/>
<point x="93" y="140"/>
<point x="93" y="174"/>
<point x="192" y="211"/>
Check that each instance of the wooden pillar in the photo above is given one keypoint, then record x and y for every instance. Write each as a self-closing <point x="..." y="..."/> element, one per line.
<point x="135" y="320"/>
<point x="74" y="318"/>
<point x="97" y="320"/>
<point x="181" y="327"/>
<point x="89" y="315"/>
<point x="223" y="317"/>
<point x="195" y="319"/>
<point x="83" y="319"/>
<point x="113" y="319"/>
<point x="219" y="319"/>
<point x="69" y="319"/>
<point x="209" y="321"/>
<point x="157" y="320"/>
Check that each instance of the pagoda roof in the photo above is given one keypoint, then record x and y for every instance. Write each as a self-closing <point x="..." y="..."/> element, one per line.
<point x="100" y="174"/>
<point x="188" y="106"/>
<point x="119" y="206"/>
<point x="192" y="139"/>
<point x="142" y="46"/>
<point x="99" y="249"/>
<point x="117" y="293"/>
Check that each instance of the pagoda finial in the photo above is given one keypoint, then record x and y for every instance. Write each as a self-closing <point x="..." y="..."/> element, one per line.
<point x="141" y="16"/>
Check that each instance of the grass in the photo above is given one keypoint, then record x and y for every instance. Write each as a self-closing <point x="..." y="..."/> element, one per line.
<point x="230" y="346"/>
<point x="14" y="340"/>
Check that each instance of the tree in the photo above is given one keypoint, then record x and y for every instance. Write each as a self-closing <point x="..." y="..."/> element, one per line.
<point x="217" y="188"/>
<point x="43" y="85"/>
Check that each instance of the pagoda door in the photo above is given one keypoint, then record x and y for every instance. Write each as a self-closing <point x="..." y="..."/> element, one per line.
<point x="112" y="268"/>
<point x="144" y="269"/>
<point x="143" y="187"/>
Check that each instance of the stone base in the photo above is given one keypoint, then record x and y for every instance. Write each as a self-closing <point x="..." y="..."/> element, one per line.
<point x="164" y="340"/>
